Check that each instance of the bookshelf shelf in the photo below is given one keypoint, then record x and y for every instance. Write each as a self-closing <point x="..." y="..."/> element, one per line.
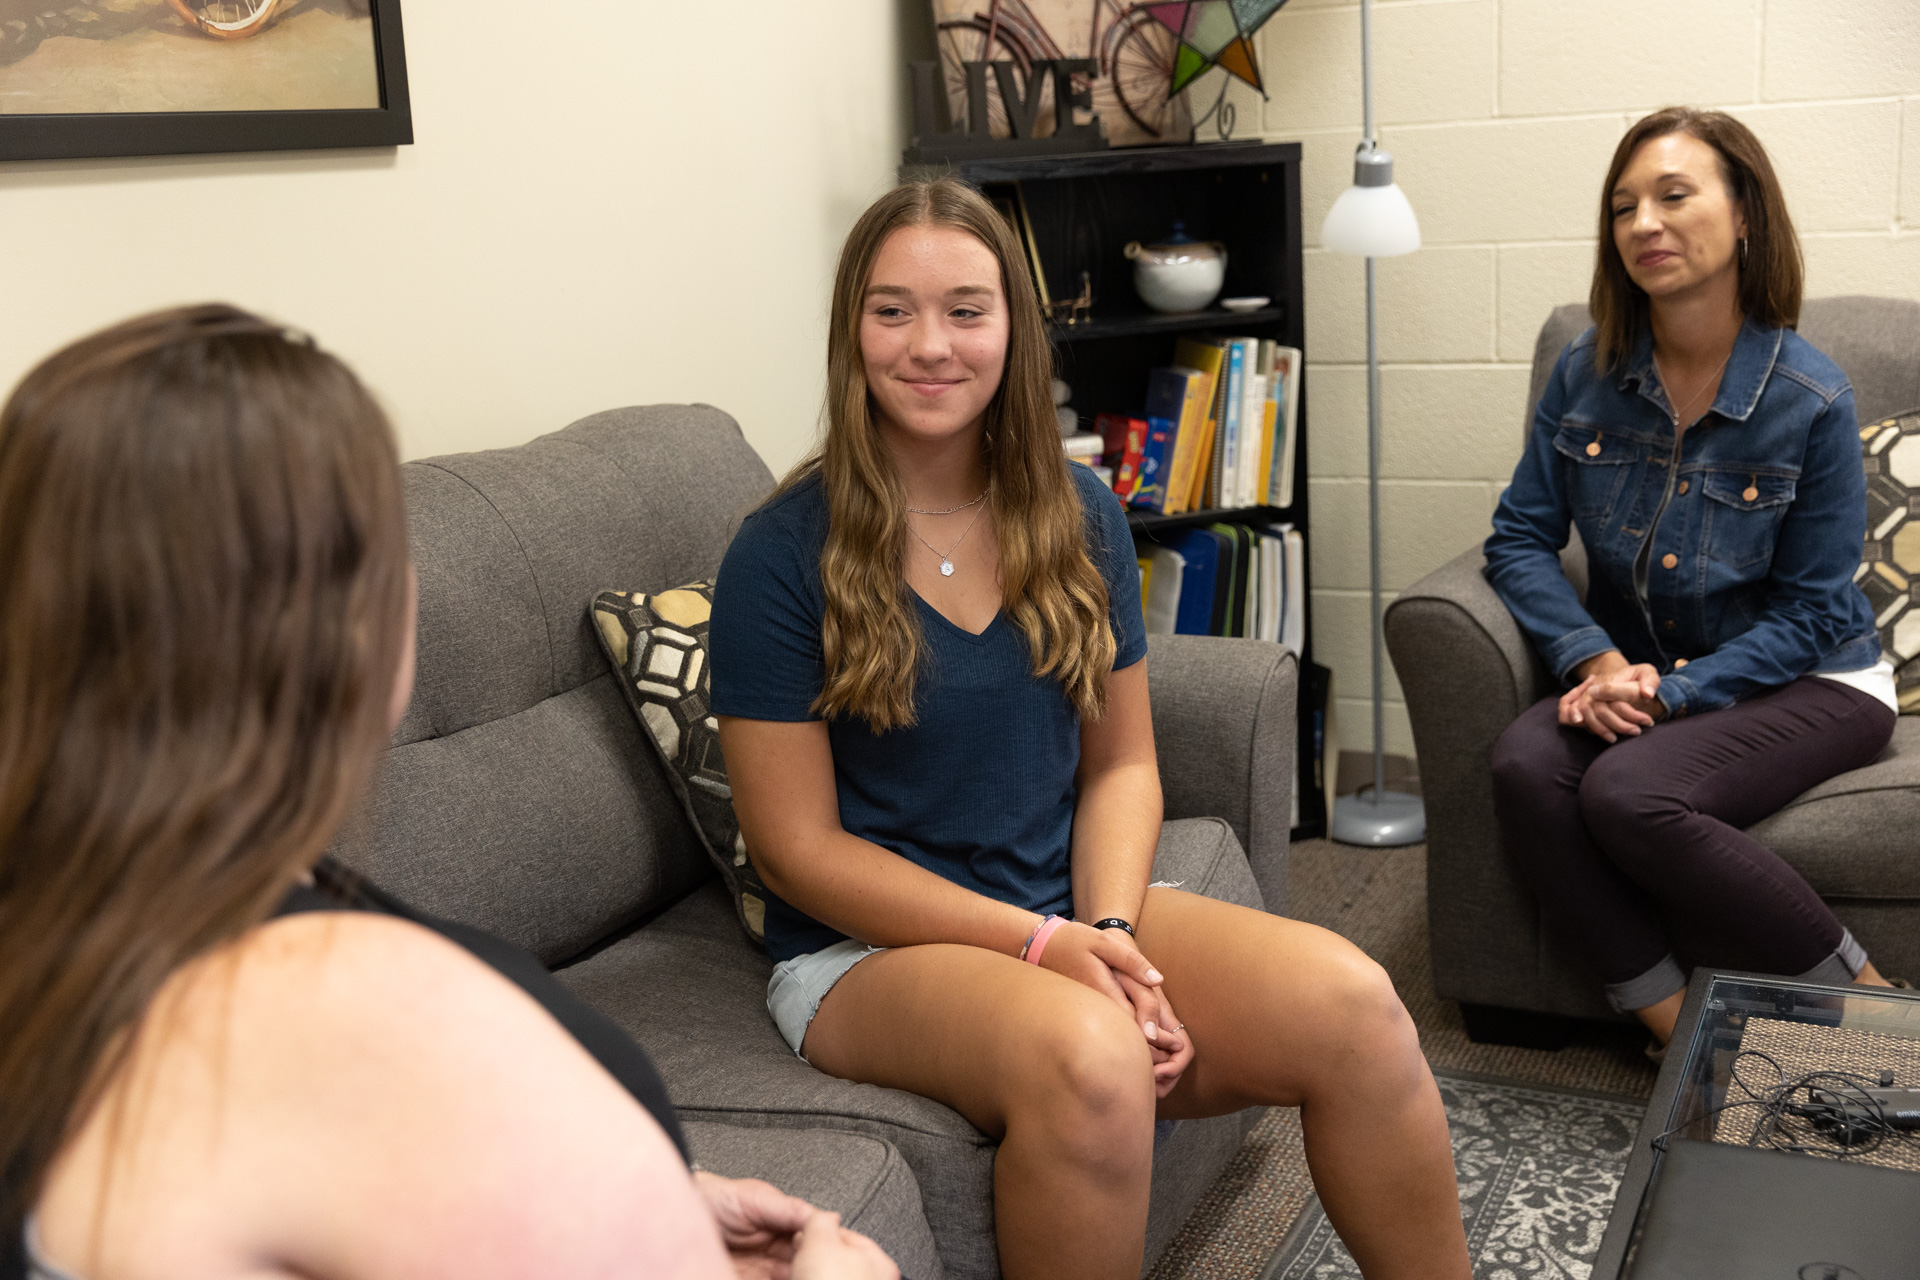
<point x="1118" y="326"/>
<point x="1082" y="210"/>
<point x="1149" y="523"/>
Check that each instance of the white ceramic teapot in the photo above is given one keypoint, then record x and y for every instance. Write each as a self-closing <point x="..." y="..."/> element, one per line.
<point x="1178" y="274"/>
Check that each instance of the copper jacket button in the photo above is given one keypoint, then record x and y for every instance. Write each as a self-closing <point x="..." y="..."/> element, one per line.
<point x="1670" y="561"/>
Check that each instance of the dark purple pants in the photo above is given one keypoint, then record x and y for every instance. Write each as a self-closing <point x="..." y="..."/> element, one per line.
<point x="1636" y="851"/>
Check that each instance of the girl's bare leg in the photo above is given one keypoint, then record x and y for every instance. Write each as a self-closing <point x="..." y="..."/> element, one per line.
<point x="1288" y="1014"/>
<point x="1057" y="1072"/>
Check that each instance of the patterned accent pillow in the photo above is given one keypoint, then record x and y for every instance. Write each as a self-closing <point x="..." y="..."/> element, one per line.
<point x="1890" y="562"/>
<point x="657" y="646"/>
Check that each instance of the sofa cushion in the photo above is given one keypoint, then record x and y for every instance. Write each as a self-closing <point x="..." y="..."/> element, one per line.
<point x="862" y="1179"/>
<point x="1852" y="836"/>
<point x="519" y="796"/>
<point x="657" y="647"/>
<point x="692" y="991"/>
<point x="550" y="828"/>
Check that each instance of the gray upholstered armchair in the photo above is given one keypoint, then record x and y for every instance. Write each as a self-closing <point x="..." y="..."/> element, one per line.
<point x="1468" y="671"/>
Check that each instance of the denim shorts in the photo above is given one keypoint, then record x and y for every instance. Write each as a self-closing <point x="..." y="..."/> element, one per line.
<point x="799" y="985"/>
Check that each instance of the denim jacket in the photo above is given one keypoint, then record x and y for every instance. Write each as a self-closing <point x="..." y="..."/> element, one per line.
<point x="1727" y="562"/>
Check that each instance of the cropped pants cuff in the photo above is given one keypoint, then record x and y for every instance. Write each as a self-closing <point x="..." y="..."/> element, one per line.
<point x="1840" y="968"/>
<point x="1650" y="988"/>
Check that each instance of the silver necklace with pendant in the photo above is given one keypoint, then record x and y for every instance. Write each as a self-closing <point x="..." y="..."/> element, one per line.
<point x="946" y="557"/>
<point x="1691" y="400"/>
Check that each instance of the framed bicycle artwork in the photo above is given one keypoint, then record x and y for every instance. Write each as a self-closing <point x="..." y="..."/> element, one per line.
<point x="1151" y="57"/>
<point x="170" y="77"/>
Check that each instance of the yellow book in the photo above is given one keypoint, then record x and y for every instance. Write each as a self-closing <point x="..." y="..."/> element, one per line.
<point x="1267" y="420"/>
<point x="1194" y="445"/>
<point x="1202" y="494"/>
<point x="1270" y="413"/>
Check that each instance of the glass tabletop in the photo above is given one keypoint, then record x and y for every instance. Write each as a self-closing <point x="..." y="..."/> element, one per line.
<point x="1798" y="1027"/>
<point x="1767" y="1030"/>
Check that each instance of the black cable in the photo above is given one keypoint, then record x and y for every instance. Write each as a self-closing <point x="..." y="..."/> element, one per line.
<point x="1850" y="1120"/>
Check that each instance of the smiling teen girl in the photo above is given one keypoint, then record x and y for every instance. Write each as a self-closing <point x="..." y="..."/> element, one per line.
<point x="1723" y="661"/>
<point x="928" y="664"/>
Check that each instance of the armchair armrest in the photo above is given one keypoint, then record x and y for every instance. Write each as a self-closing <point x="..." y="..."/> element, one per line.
<point x="1467" y="671"/>
<point x="1225" y="732"/>
<point x="1451" y="637"/>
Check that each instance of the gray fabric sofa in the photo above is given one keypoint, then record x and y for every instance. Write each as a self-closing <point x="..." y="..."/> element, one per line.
<point x="520" y="797"/>
<point x="1467" y="671"/>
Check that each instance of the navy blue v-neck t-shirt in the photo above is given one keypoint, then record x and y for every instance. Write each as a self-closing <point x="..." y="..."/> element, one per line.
<point x="980" y="789"/>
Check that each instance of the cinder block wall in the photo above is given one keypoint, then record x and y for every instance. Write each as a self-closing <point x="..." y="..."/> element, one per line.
<point x="1502" y="115"/>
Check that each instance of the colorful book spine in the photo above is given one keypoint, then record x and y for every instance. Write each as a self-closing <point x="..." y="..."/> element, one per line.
<point x="1125" y="439"/>
<point x="1204" y="357"/>
<point x="1286" y="370"/>
<point x="1269" y="417"/>
<point x="1226" y="479"/>
<point x="1252" y="416"/>
<point x="1168" y="391"/>
<point x="1150" y="485"/>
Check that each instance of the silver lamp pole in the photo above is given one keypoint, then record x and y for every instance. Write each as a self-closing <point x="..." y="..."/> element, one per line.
<point x="1372" y="219"/>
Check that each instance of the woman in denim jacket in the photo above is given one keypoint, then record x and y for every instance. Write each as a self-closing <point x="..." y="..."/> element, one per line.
<point x="1723" y="661"/>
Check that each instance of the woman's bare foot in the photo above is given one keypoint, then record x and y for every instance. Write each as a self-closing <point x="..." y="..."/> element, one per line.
<point x="1870" y="977"/>
<point x="1661" y="1017"/>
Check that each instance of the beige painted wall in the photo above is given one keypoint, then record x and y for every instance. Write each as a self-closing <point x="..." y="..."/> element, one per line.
<point x="622" y="213"/>
<point x="1502" y="115"/>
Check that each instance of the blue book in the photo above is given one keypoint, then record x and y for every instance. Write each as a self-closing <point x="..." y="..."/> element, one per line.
<point x="1156" y="460"/>
<point x="1226" y="472"/>
<point x="1201" y="550"/>
<point x="1166" y="396"/>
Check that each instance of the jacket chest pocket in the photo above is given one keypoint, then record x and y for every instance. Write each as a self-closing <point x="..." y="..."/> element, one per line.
<point x="1597" y="468"/>
<point x="1743" y="515"/>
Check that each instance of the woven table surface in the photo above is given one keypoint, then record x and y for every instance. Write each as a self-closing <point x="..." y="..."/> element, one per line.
<point x="1800" y="1047"/>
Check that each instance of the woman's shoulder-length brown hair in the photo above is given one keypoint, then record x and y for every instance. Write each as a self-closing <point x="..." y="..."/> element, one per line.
<point x="1771" y="274"/>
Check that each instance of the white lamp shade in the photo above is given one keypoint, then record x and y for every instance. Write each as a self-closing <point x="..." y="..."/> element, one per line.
<point x="1371" y="222"/>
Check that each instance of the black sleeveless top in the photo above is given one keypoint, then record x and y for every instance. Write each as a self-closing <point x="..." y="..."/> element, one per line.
<point x="337" y="889"/>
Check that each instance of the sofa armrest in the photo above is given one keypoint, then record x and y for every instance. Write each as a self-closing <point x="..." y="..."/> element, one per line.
<point x="1225" y="732"/>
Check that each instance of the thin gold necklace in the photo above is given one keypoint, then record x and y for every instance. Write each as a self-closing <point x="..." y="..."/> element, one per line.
<point x="945" y="511"/>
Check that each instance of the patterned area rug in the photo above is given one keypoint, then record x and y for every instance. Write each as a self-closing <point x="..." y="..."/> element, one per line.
<point x="1377" y="898"/>
<point x="1538" y="1171"/>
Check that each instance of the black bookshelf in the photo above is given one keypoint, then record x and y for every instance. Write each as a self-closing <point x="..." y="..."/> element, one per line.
<point x="1083" y="208"/>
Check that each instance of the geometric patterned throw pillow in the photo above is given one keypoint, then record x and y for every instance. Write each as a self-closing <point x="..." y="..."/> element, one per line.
<point x="657" y="645"/>
<point x="1890" y="561"/>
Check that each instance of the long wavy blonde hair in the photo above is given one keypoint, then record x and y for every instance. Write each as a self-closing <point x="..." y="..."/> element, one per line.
<point x="1050" y="589"/>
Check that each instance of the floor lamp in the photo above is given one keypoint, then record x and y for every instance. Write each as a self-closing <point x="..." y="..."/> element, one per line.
<point x="1372" y="219"/>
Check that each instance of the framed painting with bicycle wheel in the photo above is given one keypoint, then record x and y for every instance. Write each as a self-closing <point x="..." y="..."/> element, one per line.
<point x="1154" y="59"/>
<point x="169" y="77"/>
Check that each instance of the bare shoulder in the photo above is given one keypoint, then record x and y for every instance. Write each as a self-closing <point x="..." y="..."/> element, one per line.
<point x="360" y="1097"/>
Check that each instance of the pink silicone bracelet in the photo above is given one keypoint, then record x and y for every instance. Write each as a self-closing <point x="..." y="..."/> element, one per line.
<point x="1040" y="936"/>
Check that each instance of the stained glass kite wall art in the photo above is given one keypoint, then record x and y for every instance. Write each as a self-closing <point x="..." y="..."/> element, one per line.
<point x="149" y="77"/>
<point x="1215" y="33"/>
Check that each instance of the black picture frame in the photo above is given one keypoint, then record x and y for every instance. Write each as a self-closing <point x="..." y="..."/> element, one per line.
<point x="171" y="133"/>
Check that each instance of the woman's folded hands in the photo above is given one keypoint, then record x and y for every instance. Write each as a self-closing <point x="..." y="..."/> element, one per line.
<point x="1614" y="698"/>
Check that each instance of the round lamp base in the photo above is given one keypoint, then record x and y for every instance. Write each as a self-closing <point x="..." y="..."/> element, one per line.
<point x="1381" y="820"/>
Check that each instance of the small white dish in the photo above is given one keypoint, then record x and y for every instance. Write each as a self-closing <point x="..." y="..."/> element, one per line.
<point x="1244" y="305"/>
